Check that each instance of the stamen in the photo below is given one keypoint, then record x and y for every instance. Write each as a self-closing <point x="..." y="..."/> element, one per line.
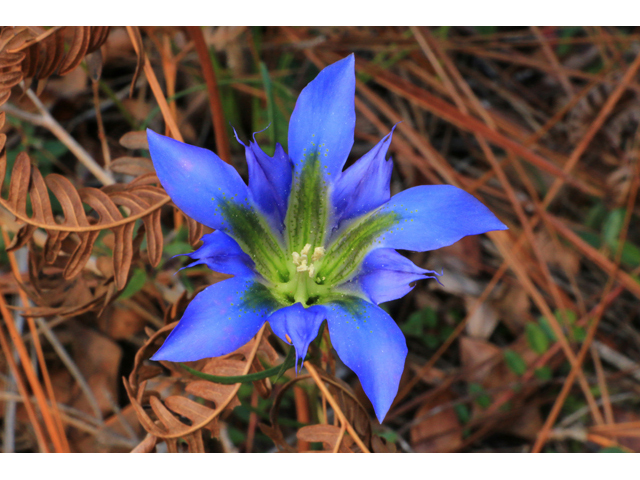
<point x="312" y="270"/>
<point x="305" y="250"/>
<point x="296" y="258"/>
<point x="318" y="253"/>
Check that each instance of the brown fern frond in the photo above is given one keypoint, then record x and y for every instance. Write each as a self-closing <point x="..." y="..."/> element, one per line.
<point x="33" y="53"/>
<point x="141" y="197"/>
<point x="165" y="417"/>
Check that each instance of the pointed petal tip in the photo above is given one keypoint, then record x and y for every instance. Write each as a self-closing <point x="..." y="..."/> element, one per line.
<point x="163" y="356"/>
<point x="235" y="134"/>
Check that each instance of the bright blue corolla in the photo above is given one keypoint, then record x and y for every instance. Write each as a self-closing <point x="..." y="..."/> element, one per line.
<point x="307" y="241"/>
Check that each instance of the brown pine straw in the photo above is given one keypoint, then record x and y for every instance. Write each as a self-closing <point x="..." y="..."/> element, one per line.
<point x="336" y="408"/>
<point x="215" y="103"/>
<point x="31" y="413"/>
<point x="37" y="346"/>
<point x="52" y="426"/>
<point x="156" y="88"/>
<point x="568" y="384"/>
<point x="528" y="230"/>
<point x="551" y="194"/>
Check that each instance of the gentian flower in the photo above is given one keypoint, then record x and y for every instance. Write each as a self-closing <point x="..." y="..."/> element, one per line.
<point x="307" y="241"/>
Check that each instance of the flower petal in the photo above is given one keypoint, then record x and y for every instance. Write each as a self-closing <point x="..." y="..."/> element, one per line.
<point x="324" y="118"/>
<point x="299" y="324"/>
<point x="269" y="180"/>
<point x="370" y="343"/>
<point x="386" y="275"/>
<point x="196" y="179"/>
<point x="221" y="253"/>
<point x="211" y="192"/>
<point x="420" y="219"/>
<point x="219" y="320"/>
<point x="435" y="216"/>
<point x="364" y="186"/>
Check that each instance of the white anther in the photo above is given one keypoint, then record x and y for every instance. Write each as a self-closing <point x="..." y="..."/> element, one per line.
<point x="318" y="253"/>
<point x="296" y="258"/>
<point x="312" y="270"/>
<point x="303" y="266"/>
<point x="305" y="251"/>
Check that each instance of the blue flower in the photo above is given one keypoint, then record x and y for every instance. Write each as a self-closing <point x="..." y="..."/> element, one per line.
<point x="307" y="241"/>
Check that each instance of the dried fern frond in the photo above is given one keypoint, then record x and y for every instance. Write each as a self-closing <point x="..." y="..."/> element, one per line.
<point x="142" y="198"/>
<point x="33" y="53"/>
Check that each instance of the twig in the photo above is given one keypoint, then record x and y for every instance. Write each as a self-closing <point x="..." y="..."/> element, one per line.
<point x="71" y="366"/>
<point x="8" y="439"/>
<point x="44" y="119"/>
<point x="106" y="154"/>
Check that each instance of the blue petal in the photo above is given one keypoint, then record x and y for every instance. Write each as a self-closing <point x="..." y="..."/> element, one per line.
<point x="299" y="324"/>
<point x="370" y="343"/>
<point x="386" y="275"/>
<point x="364" y="186"/>
<point x="324" y="118"/>
<point x="269" y="180"/>
<point x="211" y="192"/>
<point x="196" y="179"/>
<point x="435" y="216"/>
<point x="222" y="318"/>
<point x="221" y="253"/>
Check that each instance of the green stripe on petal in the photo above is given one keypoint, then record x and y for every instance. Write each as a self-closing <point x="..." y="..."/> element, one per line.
<point x="308" y="205"/>
<point x="346" y="253"/>
<point x="256" y="238"/>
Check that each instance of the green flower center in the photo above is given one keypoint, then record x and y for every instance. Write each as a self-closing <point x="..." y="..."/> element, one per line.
<point x="306" y="271"/>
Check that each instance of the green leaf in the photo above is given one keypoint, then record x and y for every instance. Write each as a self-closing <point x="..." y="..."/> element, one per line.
<point x="579" y="333"/>
<point x="413" y="326"/>
<point x="178" y="248"/>
<point x="515" y="362"/>
<point x="483" y="399"/>
<point x="546" y="327"/>
<point x="612" y="226"/>
<point x="566" y="316"/>
<point x="418" y="321"/>
<point x="136" y="282"/>
<point x="595" y="216"/>
<point x="463" y="413"/>
<point x="430" y="341"/>
<point x="536" y="338"/>
<point x="543" y="373"/>
<point x="630" y="254"/>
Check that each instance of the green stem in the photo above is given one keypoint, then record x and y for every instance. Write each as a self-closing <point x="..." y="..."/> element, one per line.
<point x="288" y="363"/>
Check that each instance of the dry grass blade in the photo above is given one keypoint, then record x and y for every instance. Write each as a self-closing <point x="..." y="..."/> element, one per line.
<point x="215" y="104"/>
<point x="336" y="408"/>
